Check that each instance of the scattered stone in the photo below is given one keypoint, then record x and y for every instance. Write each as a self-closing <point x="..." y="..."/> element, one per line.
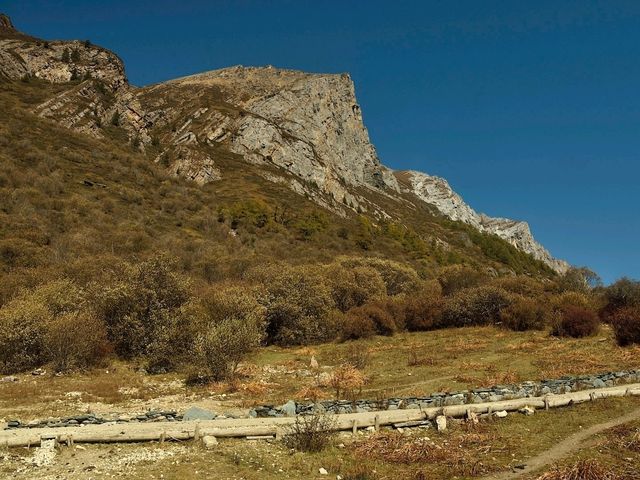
<point x="527" y="410"/>
<point x="289" y="409"/>
<point x="39" y="372"/>
<point x="441" y="423"/>
<point x="314" y="363"/>
<point x="9" y="379"/>
<point x="196" y="413"/>
<point x="472" y="417"/>
<point x="45" y="455"/>
<point x="501" y="414"/>
<point x="323" y="471"/>
<point x="209" y="442"/>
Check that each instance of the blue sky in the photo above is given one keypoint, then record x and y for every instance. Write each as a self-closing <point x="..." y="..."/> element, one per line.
<point x="531" y="109"/>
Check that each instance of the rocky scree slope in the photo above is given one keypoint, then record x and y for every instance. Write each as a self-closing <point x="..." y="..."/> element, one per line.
<point x="307" y="128"/>
<point x="437" y="192"/>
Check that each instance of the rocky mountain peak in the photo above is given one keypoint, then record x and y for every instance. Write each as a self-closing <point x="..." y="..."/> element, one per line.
<point x="5" y="23"/>
<point x="310" y="125"/>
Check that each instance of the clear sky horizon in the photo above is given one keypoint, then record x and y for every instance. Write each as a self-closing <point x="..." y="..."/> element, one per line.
<point x="531" y="110"/>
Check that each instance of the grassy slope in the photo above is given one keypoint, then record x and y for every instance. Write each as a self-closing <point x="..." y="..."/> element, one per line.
<point x="453" y="358"/>
<point x="52" y="224"/>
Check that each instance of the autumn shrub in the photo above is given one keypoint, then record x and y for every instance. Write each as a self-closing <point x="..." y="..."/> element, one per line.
<point x="575" y="321"/>
<point x="138" y="307"/>
<point x="25" y="323"/>
<point x="626" y="325"/>
<point x="397" y="277"/>
<point x="353" y="287"/>
<point x="525" y="314"/>
<point x="459" y="277"/>
<point x="572" y="299"/>
<point x="310" y="433"/>
<point x="22" y="334"/>
<point x="373" y="314"/>
<point x="223" y="345"/>
<point x="623" y="293"/>
<point x="522" y="285"/>
<point x="172" y="345"/>
<point x="347" y="381"/>
<point x="75" y="341"/>
<point x="231" y="324"/>
<point x="475" y="306"/>
<point x="423" y="310"/>
<point x="354" y="326"/>
<point x="298" y="302"/>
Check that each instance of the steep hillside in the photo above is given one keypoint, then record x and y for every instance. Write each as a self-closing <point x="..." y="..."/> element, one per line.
<point x="218" y="168"/>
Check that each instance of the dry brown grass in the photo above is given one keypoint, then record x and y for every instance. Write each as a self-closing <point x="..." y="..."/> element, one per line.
<point x="312" y="393"/>
<point x="348" y="380"/>
<point x="396" y="448"/>
<point x="626" y="436"/>
<point x="582" y="470"/>
<point x="458" y="455"/>
<point x="502" y="378"/>
<point x="570" y="363"/>
<point x="416" y="358"/>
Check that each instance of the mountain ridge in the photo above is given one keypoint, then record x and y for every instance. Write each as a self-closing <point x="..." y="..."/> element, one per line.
<point x="307" y="125"/>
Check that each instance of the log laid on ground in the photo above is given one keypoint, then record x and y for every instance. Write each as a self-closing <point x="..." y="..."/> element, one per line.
<point x="252" y="427"/>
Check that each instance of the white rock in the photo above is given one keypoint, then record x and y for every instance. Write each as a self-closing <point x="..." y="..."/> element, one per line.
<point x="501" y="414"/>
<point x="323" y="471"/>
<point x="436" y="191"/>
<point x="209" y="441"/>
<point x="527" y="410"/>
<point x="45" y="455"/>
<point x="441" y="423"/>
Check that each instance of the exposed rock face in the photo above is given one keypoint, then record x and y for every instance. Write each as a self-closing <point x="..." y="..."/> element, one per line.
<point x="437" y="192"/>
<point x="5" y="23"/>
<point x="308" y="124"/>
<point x="306" y="128"/>
<point x="60" y="62"/>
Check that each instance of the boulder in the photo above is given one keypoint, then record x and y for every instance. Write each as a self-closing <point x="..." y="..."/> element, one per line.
<point x="198" y="413"/>
<point x="289" y="408"/>
<point x="209" y="442"/>
<point x="501" y="414"/>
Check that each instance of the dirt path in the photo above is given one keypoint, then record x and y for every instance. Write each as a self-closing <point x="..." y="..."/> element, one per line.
<point x="559" y="450"/>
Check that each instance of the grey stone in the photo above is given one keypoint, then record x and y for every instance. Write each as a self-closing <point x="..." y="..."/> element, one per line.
<point x="289" y="408"/>
<point x="198" y="413"/>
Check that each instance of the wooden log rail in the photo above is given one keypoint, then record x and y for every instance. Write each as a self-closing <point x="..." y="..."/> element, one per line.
<point x="259" y="427"/>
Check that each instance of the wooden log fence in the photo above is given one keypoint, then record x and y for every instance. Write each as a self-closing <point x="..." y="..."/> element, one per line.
<point x="275" y="427"/>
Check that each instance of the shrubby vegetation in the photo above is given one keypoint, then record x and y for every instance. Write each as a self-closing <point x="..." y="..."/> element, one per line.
<point x="83" y="277"/>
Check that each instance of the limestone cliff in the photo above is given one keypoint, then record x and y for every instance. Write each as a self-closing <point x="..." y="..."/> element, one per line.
<point x="306" y="124"/>
<point x="437" y="192"/>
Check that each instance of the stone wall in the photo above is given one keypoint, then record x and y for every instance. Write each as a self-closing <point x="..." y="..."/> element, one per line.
<point x="491" y="394"/>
